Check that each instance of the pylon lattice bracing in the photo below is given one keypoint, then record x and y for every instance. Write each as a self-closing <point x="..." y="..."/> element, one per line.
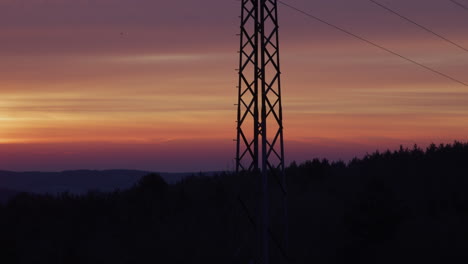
<point x="259" y="104"/>
<point x="260" y="147"/>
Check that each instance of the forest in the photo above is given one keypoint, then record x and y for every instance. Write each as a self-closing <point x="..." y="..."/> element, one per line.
<point x="403" y="206"/>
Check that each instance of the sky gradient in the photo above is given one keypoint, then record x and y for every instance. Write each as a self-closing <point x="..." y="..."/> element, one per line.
<point x="140" y="84"/>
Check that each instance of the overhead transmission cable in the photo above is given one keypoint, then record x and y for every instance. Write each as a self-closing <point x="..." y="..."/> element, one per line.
<point x="372" y="43"/>
<point x="459" y="4"/>
<point x="419" y="25"/>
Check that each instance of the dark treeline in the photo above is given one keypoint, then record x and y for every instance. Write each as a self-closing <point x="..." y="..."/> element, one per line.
<point x="406" y="206"/>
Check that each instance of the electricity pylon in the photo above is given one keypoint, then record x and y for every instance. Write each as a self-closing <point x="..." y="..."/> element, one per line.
<point x="260" y="147"/>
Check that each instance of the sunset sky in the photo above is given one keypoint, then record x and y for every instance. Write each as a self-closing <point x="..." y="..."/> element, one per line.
<point x="150" y="84"/>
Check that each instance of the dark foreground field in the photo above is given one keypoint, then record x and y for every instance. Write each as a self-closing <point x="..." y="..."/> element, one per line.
<point x="408" y="206"/>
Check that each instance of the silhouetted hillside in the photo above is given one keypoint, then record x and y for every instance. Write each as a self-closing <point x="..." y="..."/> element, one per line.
<point x="78" y="181"/>
<point x="7" y="194"/>
<point x="406" y="206"/>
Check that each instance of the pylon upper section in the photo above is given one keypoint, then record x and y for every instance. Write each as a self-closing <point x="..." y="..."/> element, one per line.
<point x="259" y="120"/>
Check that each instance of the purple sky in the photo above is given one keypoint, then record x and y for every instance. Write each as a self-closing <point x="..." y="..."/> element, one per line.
<point x="145" y="84"/>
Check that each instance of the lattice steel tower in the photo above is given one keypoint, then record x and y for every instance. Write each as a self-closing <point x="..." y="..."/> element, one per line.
<point x="260" y="147"/>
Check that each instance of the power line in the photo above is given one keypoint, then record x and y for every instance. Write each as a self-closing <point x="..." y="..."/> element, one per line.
<point x="372" y="43"/>
<point x="419" y="25"/>
<point x="459" y="4"/>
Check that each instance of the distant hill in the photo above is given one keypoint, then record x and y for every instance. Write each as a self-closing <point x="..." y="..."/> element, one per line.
<point x="7" y="194"/>
<point x="77" y="181"/>
<point x="403" y="206"/>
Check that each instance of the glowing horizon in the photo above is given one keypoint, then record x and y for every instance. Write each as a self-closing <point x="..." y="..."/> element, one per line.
<point x="81" y="75"/>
